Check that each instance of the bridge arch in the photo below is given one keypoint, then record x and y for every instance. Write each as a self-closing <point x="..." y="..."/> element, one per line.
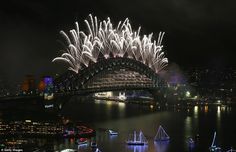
<point x="77" y="82"/>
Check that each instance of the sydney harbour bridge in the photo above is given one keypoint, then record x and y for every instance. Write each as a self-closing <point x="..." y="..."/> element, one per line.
<point x="110" y="59"/>
<point x="109" y="75"/>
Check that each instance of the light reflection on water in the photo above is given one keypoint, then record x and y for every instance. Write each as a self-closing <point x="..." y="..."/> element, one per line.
<point x="161" y="146"/>
<point x="189" y="122"/>
<point x="195" y="111"/>
<point x="205" y="109"/>
<point x="125" y="118"/>
<point x="188" y="127"/>
<point x="137" y="148"/>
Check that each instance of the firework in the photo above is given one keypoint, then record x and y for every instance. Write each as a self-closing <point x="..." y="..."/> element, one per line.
<point x="103" y="38"/>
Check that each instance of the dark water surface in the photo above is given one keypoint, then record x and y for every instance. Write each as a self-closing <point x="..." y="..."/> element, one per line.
<point x="179" y="123"/>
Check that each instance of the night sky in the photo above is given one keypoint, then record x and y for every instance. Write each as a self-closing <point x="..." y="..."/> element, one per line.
<point x="198" y="32"/>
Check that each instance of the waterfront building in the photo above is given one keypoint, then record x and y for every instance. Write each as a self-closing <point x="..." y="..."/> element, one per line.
<point x="28" y="85"/>
<point x="29" y="127"/>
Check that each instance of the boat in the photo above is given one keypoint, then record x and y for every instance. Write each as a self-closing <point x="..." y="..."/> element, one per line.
<point x="122" y="96"/>
<point x="190" y="142"/>
<point x="111" y="132"/>
<point x="68" y="150"/>
<point x="98" y="150"/>
<point x="93" y="144"/>
<point x="161" y="135"/>
<point x="231" y="150"/>
<point x="82" y="141"/>
<point x="214" y="147"/>
<point x="135" y="139"/>
<point x="69" y="133"/>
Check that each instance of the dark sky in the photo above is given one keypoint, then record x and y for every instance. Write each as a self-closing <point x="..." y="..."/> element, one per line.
<point x="198" y="32"/>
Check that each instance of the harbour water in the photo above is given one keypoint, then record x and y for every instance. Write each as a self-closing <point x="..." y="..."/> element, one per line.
<point x="197" y="122"/>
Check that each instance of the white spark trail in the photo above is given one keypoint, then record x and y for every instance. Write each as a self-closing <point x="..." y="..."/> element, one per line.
<point x="101" y="38"/>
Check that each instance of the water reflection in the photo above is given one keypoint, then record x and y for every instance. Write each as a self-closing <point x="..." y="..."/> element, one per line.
<point x="161" y="146"/>
<point x="82" y="147"/>
<point x="97" y="101"/>
<point x="191" y="147"/>
<point x="113" y="137"/>
<point x="189" y="134"/>
<point x="205" y="109"/>
<point x="121" y="106"/>
<point x="218" y="111"/>
<point x="103" y="115"/>
<point x="188" y="127"/>
<point x="143" y="148"/>
<point x="68" y="143"/>
<point x="111" y="106"/>
<point x="195" y="113"/>
<point x="218" y="120"/>
<point x="195" y="116"/>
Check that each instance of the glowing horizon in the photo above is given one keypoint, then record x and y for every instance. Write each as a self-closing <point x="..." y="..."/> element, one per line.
<point x="83" y="48"/>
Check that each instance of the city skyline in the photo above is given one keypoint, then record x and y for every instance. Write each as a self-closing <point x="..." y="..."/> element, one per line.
<point x="197" y="33"/>
<point x="87" y="75"/>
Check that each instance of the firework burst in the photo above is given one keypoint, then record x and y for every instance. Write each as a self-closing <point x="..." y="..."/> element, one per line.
<point x="120" y="41"/>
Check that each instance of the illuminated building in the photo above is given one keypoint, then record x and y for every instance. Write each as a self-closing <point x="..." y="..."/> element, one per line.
<point x="104" y="94"/>
<point x="34" y="128"/>
<point x="48" y="81"/>
<point x="45" y="87"/>
<point x="46" y="84"/>
<point x="28" y="85"/>
<point x="41" y="86"/>
<point x="29" y="127"/>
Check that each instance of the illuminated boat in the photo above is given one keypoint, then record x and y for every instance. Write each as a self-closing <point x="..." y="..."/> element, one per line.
<point x="69" y="134"/>
<point x="111" y="132"/>
<point x="82" y="141"/>
<point x="190" y="142"/>
<point x="214" y="147"/>
<point x="161" y="135"/>
<point x="93" y="144"/>
<point x="68" y="150"/>
<point x="84" y="131"/>
<point x="231" y="150"/>
<point x="135" y="139"/>
<point x="98" y="150"/>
